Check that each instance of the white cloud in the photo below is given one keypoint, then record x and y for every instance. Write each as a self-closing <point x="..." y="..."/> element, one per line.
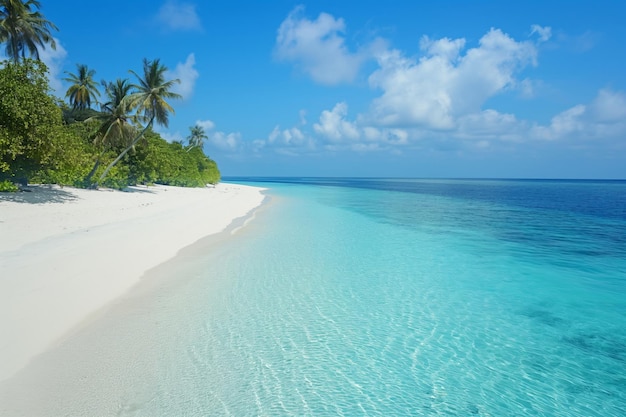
<point x="544" y="32"/>
<point x="178" y="16"/>
<point x="288" y="137"/>
<point x="567" y="122"/>
<point x="444" y="84"/>
<point x="318" y="47"/>
<point x="333" y="126"/>
<point x="608" y="107"/>
<point x="225" y="141"/>
<point x="229" y="142"/>
<point x="290" y="141"/>
<point x="386" y="136"/>
<point x="444" y="47"/>
<point x="339" y="133"/>
<point x="53" y="58"/>
<point x="187" y="74"/>
<point x="205" y="124"/>
<point x="437" y="100"/>
<point x="603" y="118"/>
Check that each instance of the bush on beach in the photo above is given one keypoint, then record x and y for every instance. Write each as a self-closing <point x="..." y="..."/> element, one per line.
<point x="30" y="121"/>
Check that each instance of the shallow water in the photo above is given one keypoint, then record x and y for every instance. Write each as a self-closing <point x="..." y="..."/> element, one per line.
<point x="408" y="297"/>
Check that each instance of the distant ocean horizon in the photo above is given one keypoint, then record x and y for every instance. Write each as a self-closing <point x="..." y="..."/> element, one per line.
<point x="308" y="179"/>
<point x="394" y="297"/>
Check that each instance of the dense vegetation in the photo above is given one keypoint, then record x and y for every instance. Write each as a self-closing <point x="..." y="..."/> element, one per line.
<point x="44" y="140"/>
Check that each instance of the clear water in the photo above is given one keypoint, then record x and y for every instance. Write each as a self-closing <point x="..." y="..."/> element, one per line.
<point x="412" y="297"/>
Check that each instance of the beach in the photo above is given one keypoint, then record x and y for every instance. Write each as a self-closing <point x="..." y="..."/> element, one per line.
<point x="340" y="297"/>
<point x="67" y="253"/>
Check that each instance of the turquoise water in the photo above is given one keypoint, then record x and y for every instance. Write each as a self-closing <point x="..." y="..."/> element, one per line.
<point x="413" y="297"/>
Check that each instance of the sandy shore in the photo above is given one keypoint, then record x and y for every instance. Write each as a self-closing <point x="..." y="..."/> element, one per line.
<point x="66" y="253"/>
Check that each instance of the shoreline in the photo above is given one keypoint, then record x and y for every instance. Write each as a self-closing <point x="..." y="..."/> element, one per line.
<point x="67" y="253"/>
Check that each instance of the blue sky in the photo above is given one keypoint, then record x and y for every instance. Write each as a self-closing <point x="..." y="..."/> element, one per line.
<point x="529" y="89"/>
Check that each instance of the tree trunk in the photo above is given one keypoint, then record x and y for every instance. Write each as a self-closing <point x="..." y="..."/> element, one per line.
<point x="93" y="171"/>
<point x="87" y="179"/>
<point x="125" y="151"/>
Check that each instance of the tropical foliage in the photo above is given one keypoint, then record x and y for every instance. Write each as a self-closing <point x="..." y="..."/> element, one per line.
<point x="116" y="123"/>
<point x="24" y="29"/>
<point x="83" y="88"/>
<point x="150" y="100"/>
<point x="196" y="137"/>
<point x="30" y="120"/>
<point x="44" y="140"/>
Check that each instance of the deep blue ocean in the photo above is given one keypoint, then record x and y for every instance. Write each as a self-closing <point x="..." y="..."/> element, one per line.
<point x="406" y="297"/>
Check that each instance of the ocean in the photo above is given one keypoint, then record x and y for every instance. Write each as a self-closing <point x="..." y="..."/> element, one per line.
<point x="405" y="297"/>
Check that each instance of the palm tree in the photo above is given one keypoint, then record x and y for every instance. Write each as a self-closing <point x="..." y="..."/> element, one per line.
<point x="23" y="28"/>
<point x="117" y="121"/>
<point x="149" y="99"/>
<point x="83" y="87"/>
<point x="197" y="135"/>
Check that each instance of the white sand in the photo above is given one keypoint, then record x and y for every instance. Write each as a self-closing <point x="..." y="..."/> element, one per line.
<point x="66" y="253"/>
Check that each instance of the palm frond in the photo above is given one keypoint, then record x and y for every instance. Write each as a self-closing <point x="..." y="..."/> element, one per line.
<point x="24" y="29"/>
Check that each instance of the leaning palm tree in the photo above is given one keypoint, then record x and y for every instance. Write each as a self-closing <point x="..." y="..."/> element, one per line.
<point x="24" y="29"/>
<point x="83" y="87"/>
<point x="150" y="101"/>
<point x="117" y="122"/>
<point x="197" y="135"/>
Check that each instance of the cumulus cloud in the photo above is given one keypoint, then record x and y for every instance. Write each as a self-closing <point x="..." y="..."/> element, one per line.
<point x="338" y="133"/>
<point x="178" y="16"/>
<point x="187" y="74"/>
<point x="291" y="141"/>
<point x="608" y="107"/>
<point x="318" y="47"/>
<point x="333" y="125"/>
<point x="293" y="136"/>
<point x="445" y="84"/>
<point x="603" y="118"/>
<point x="441" y="94"/>
<point x="438" y="99"/>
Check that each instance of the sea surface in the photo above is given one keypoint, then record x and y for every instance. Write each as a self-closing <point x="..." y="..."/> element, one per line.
<point x="405" y="297"/>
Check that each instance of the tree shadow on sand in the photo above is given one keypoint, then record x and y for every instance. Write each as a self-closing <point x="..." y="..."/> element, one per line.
<point x="39" y="194"/>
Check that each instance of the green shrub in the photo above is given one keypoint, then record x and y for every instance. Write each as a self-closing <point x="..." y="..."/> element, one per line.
<point x="158" y="161"/>
<point x="7" y="186"/>
<point x="28" y="118"/>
